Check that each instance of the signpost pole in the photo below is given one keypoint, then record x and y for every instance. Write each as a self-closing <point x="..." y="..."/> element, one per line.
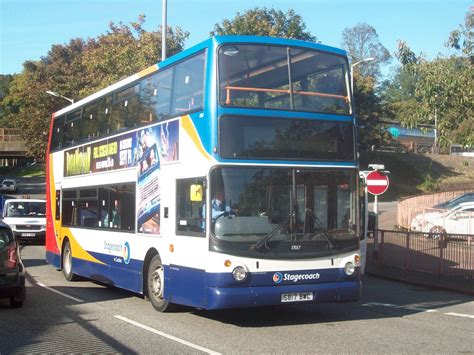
<point x="377" y="184"/>
<point x="376" y="234"/>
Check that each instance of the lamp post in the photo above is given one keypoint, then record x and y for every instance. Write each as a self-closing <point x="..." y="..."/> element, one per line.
<point x="163" y="30"/>
<point x="52" y="93"/>
<point x="435" y="145"/>
<point x="370" y="59"/>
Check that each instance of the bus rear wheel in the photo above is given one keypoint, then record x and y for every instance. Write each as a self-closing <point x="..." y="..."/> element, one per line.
<point x="155" y="285"/>
<point x="67" y="262"/>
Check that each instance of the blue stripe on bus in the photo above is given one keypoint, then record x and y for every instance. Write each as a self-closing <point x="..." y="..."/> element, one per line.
<point x="53" y="259"/>
<point x="110" y="274"/>
<point x="283" y="114"/>
<point x="184" y="54"/>
<point x="214" y="42"/>
<point x="196" y="288"/>
<point x="218" y="298"/>
<point x="277" y="41"/>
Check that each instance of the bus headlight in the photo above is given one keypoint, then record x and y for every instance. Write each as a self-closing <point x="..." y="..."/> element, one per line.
<point x="349" y="268"/>
<point x="239" y="274"/>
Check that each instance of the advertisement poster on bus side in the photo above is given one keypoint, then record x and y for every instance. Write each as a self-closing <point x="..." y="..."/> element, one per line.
<point x="114" y="153"/>
<point x="155" y="146"/>
<point x="77" y="161"/>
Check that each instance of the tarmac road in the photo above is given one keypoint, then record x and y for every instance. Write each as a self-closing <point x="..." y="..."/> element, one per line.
<point x="87" y="317"/>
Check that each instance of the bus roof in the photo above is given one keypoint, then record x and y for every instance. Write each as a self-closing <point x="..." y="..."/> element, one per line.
<point x="213" y="41"/>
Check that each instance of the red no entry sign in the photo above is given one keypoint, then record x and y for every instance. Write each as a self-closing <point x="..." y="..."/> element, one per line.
<point x="377" y="182"/>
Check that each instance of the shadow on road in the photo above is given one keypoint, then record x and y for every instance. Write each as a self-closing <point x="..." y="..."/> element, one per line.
<point x="378" y="302"/>
<point x="62" y="328"/>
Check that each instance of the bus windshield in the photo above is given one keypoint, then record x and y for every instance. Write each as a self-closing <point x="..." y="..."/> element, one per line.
<point x="25" y="209"/>
<point x="264" y="210"/>
<point x="283" y="78"/>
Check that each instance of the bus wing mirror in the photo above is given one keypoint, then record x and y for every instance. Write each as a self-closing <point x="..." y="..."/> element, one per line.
<point x="196" y="193"/>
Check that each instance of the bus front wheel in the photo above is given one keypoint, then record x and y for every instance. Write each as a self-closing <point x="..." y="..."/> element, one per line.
<point x="67" y="262"/>
<point x="155" y="285"/>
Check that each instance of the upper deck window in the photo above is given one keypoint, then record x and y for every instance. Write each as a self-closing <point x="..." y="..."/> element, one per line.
<point x="283" y="78"/>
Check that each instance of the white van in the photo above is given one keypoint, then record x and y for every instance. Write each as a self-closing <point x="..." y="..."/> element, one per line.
<point x="26" y="218"/>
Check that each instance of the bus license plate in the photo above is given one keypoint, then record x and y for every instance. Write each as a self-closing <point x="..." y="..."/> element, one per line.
<point x="27" y="234"/>
<point x="296" y="297"/>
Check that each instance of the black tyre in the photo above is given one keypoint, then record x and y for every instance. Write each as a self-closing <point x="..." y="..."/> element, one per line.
<point x="67" y="262"/>
<point x="155" y="285"/>
<point x="17" y="301"/>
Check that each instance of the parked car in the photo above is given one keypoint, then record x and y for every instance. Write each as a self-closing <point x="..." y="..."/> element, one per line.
<point x="459" y="219"/>
<point x="9" y="185"/>
<point x="467" y="197"/>
<point x="12" y="271"/>
<point x="27" y="218"/>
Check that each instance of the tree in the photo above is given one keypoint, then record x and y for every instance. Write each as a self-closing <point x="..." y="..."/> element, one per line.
<point x="125" y="50"/>
<point x="443" y="92"/>
<point x="265" y="22"/>
<point x="462" y="39"/>
<point x="78" y="69"/>
<point x="5" y="83"/>
<point x="361" y="42"/>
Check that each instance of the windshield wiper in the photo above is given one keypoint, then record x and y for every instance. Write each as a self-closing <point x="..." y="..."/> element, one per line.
<point x="323" y="232"/>
<point x="263" y="241"/>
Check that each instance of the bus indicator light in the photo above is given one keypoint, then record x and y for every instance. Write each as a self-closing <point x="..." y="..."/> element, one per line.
<point x="227" y="263"/>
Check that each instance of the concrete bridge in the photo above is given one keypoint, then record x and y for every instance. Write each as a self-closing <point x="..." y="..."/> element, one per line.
<point x="12" y="147"/>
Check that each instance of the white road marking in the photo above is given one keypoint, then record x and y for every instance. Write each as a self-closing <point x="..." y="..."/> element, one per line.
<point x="460" y="315"/>
<point x="60" y="293"/>
<point x="408" y="307"/>
<point x="171" y="337"/>
<point x="412" y="308"/>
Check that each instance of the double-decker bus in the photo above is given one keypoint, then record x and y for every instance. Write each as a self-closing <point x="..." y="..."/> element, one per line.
<point x="224" y="176"/>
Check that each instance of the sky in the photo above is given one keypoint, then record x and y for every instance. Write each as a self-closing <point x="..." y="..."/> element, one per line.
<point x="28" y="28"/>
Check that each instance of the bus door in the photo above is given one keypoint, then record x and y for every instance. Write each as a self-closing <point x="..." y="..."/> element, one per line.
<point x="188" y="260"/>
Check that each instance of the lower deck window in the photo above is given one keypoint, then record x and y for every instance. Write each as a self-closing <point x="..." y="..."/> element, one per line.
<point x="105" y="207"/>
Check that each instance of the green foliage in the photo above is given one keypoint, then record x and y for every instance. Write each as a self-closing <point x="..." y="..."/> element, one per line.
<point x="440" y="90"/>
<point x="265" y="22"/>
<point x="77" y="69"/>
<point x="429" y="184"/>
<point x="443" y="91"/>
<point x="370" y="112"/>
<point x="5" y="83"/>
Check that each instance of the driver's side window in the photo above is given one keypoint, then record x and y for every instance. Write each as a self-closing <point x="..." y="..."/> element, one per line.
<point x="190" y="215"/>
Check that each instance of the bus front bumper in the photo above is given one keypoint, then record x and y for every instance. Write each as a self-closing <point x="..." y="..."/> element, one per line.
<point x="241" y="297"/>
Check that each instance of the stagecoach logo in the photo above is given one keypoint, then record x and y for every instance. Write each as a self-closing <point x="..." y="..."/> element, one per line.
<point x="122" y="251"/>
<point x="277" y="277"/>
<point x="126" y="253"/>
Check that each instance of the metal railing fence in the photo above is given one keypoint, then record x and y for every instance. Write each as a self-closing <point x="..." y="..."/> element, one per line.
<point x="443" y="255"/>
<point x="408" y="208"/>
